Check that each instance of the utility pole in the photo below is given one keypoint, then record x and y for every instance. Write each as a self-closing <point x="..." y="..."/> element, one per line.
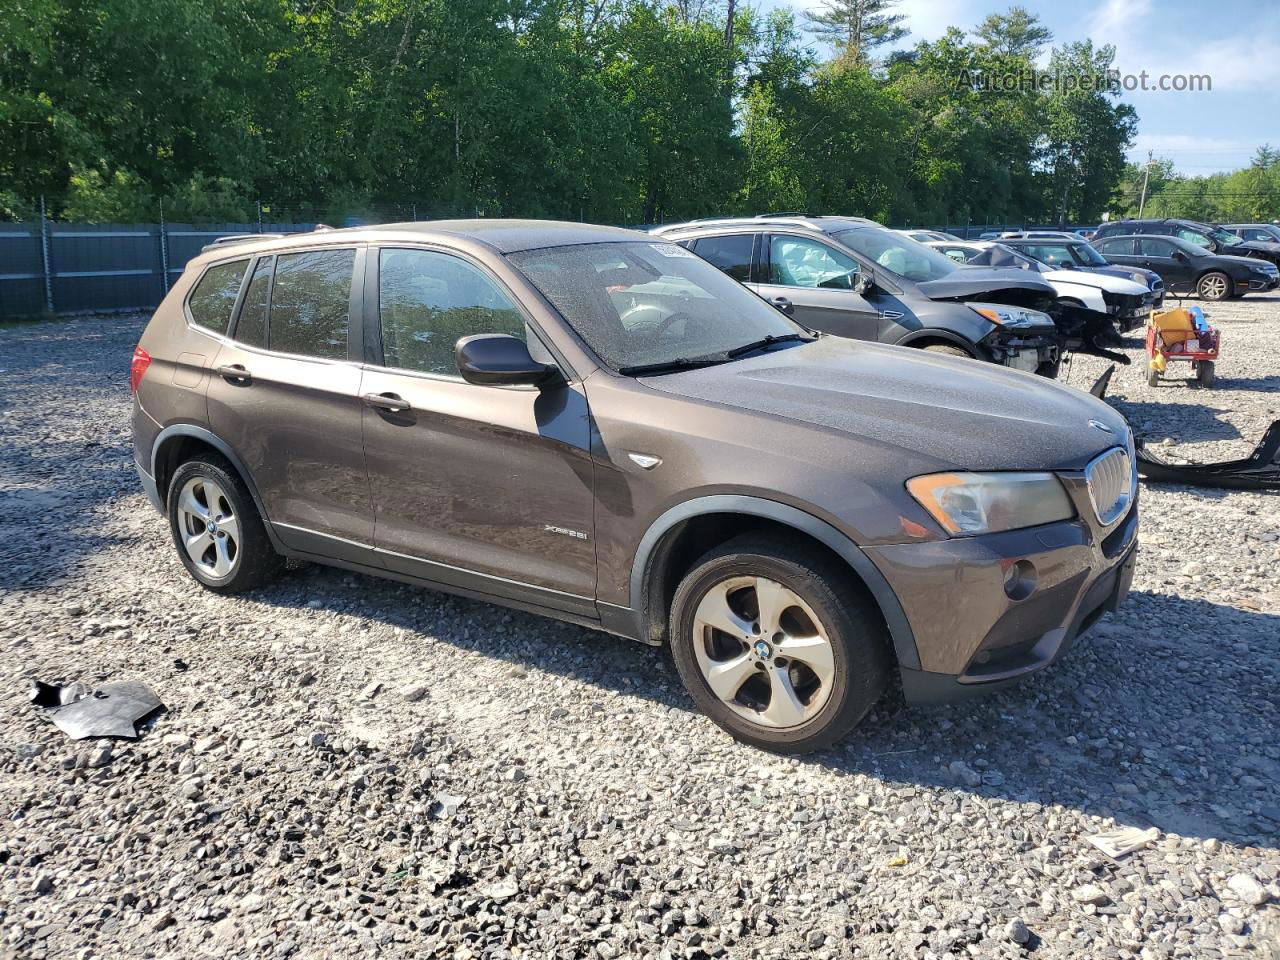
<point x="1145" y="177"/>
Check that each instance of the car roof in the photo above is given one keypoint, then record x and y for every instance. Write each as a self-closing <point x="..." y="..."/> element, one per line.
<point x="819" y="224"/>
<point x="505" y="236"/>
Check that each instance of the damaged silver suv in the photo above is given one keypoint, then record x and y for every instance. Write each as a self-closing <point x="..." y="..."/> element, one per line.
<point x="596" y="425"/>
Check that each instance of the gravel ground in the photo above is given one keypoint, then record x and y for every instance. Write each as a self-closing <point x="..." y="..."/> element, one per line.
<point x="350" y="767"/>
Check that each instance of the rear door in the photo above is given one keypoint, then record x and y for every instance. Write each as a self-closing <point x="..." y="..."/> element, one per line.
<point x="481" y="487"/>
<point x="1120" y="250"/>
<point x="817" y="280"/>
<point x="285" y="395"/>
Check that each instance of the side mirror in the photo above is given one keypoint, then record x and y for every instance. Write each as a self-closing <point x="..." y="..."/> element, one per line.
<point x="1179" y="256"/>
<point x="864" y="283"/>
<point x="498" y="359"/>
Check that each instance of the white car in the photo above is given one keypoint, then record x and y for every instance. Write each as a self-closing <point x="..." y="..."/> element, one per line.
<point x="1127" y="302"/>
<point x="927" y="236"/>
<point x="1040" y="235"/>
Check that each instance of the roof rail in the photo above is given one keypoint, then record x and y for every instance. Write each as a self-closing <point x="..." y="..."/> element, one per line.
<point x="787" y="213"/>
<point x="239" y="238"/>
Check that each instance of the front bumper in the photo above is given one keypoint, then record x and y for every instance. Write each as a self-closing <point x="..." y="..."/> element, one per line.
<point x="1259" y="284"/>
<point x="970" y="635"/>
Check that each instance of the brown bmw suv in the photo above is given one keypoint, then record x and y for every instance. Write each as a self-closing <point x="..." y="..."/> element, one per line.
<point x="599" y="426"/>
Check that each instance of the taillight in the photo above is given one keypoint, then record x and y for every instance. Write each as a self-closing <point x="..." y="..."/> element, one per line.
<point x="138" y="367"/>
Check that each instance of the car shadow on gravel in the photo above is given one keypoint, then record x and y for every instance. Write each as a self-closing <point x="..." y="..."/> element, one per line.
<point x="1195" y="422"/>
<point x="1154" y="719"/>
<point x="1166" y="718"/>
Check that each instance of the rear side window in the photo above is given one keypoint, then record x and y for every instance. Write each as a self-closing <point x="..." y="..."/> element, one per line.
<point x="251" y="328"/>
<point x="731" y="254"/>
<point x="214" y="297"/>
<point x="311" y="303"/>
<point x="427" y="300"/>
<point x="1120" y="247"/>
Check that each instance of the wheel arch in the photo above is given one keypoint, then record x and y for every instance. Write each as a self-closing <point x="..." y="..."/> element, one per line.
<point x="177" y="444"/>
<point x="667" y="550"/>
<point x="936" y="335"/>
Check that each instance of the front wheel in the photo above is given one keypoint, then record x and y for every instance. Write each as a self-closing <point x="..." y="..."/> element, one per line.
<point x="1214" y="286"/>
<point x="777" y="645"/>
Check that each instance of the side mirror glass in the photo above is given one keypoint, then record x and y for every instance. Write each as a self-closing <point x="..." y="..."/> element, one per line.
<point x="498" y="359"/>
<point x="863" y="283"/>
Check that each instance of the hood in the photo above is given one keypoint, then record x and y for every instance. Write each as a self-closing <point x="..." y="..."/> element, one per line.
<point x="1234" y="258"/>
<point x="1108" y="282"/>
<point x="1262" y="246"/>
<point x="985" y="283"/>
<point x="950" y="412"/>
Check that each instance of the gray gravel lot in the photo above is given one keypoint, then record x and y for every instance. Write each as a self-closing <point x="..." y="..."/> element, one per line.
<point x="350" y="767"/>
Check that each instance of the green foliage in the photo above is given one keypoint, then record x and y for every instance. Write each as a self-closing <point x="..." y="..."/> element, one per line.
<point x="1251" y="195"/>
<point x="619" y="111"/>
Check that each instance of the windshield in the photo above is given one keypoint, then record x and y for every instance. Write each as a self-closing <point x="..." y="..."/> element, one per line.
<point x="998" y="255"/>
<point x="898" y="254"/>
<point x="1225" y="238"/>
<point x="1088" y="256"/>
<point x="1060" y="254"/>
<point x="643" y="304"/>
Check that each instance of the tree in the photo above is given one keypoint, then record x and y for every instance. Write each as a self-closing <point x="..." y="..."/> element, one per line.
<point x="857" y="27"/>
<point x="1017" y="33"/>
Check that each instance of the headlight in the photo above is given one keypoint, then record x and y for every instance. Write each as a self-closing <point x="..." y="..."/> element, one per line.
<point x="1139" y="278"/>
<point x="966" y="504"/>
<point x="1005" y="316"/>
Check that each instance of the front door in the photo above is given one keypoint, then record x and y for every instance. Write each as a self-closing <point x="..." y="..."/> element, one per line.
<point x="818" y="280"/>
<point x="1158" y="254"/>
<point x="481" y="487"/>
<point x="285" y="396"/>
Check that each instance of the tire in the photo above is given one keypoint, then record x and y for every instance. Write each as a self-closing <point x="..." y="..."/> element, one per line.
<point x="234" y="553"/>
<point x="1206" y="373"/>
<point x="1214" y="285"/>
<point x="949" y="350"/>
<point x="1153" y="377"/>
<point x="794" y="685"/>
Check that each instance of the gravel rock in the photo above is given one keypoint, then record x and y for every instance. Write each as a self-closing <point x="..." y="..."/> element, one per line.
<point x="1017" y="931"/>
<point x="1090" y="893"/>
<point x="311" y="822"/>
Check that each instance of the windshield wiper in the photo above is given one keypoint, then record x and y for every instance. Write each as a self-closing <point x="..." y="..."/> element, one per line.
<point x="765" y="342"/>
<point x="670" y="366"/>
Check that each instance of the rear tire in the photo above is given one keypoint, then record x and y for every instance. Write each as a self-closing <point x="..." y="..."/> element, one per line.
<point x="803" y="654"/>
<point x="216" y="527"/>
<point x="1206" y="373"/>
<point x="1214" y="285"/>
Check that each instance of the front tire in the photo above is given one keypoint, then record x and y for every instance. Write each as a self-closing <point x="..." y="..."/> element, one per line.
<point x="777" y="644"/>
<point x="950" y="351"/>
<point x="1214" y="285"/>
<point x="216" y="527"/>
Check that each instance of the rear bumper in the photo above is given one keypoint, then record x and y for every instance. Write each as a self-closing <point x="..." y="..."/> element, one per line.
<point x="971" y="637"/>
<point x="149" y="487"/>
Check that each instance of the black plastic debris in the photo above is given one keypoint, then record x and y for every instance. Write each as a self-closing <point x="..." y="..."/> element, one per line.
<point x="111" y="710"/>
<point x="1099" y="388"/>
<point x="1258" y="471"/>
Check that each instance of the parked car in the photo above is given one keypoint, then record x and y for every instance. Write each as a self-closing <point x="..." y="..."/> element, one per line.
<point x="926" y="236"/>
<point x="1257" y="232"/>
<point x="1037" y="235"/>
<point x="1189" y="265"/>
<point x="1079" y="255"/>
<point x="1083" y="233"/>
<point x="1212" y="238"/>
<point x="854" y="278"/>
<point x="1126" y="303"/>
<point x="596" y="425"/>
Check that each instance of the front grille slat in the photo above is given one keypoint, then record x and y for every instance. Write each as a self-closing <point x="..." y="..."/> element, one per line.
<point x="1110" y="481"/>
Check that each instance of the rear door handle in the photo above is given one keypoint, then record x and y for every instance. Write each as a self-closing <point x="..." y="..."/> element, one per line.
<point x="385" y="401"/>
<point x="235" y="373"/>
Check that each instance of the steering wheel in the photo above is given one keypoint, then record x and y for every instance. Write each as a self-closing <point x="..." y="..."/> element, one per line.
<point x="666" y="324"/>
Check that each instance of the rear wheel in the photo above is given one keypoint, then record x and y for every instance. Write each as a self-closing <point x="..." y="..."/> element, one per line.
<point x="218" y="533"/>
<point x="777" y="645"/>
<point x="1206" y="373"/>
<point x="1214" y="286"/>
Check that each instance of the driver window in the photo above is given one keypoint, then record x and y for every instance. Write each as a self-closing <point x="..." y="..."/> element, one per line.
<point x="1157" y="248"/>
<point x="427" y="300"/>
<point x="798" y="262"/>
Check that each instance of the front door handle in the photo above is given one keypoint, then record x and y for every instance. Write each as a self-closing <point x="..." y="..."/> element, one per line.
<point x="783" y="304"/>
<point x="386" y="401"/>
<point x="235" y="373"/>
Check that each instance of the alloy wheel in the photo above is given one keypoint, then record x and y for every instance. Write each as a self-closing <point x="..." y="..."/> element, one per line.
<point x="763" y="651"/>
<point x="209" y="527"/>
<point x="1213" y="288"/>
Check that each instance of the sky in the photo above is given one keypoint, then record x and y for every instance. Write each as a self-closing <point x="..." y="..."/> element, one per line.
<point x="1235" y="42"/>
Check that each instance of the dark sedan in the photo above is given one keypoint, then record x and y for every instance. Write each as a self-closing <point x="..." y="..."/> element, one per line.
<point x="1190" y="266"/>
